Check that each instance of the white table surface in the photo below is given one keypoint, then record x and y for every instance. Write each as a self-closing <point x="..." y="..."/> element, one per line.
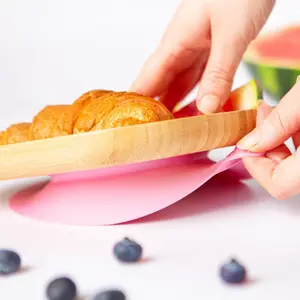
<point x="51" y="52"/>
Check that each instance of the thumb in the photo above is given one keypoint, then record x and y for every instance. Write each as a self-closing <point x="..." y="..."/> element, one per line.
<point x="279" y="126"/>
<point x="217" y="79"/>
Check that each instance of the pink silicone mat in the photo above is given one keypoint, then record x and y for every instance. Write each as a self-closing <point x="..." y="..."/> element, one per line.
<point x="119" y="194"/>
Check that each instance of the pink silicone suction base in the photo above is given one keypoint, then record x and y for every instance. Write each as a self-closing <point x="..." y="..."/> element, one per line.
<point x="119" y="194"/>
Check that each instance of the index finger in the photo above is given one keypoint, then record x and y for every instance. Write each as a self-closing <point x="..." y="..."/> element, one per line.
<point x="280" y="179"/>
<point x="279" y="126"/>
<point x="183" y="42"/>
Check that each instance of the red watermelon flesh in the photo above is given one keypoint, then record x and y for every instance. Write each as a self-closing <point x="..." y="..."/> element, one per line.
<point x="190" y="110"/>
<point x="281" y="45"/>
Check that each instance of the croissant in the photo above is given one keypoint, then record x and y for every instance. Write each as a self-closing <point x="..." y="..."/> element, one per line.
<point x="94" y="110"/>
<point x="120" y="109"/>
<point x="15" y="133"/>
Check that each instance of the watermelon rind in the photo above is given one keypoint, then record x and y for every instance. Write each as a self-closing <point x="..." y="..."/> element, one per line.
<point x="276" y="76"/>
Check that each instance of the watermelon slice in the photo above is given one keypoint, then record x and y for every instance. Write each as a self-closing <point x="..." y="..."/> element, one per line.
<point x="243" y="98"/>
<point x="274" y="59"/>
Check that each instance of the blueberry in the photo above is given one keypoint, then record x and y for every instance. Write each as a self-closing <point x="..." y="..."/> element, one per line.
<point x="10" y="262"/>
<point x="127" y="250"/>
<point x="233" y="272"/>
<point x="62" y="288"/>
<point x="110" y="295"/>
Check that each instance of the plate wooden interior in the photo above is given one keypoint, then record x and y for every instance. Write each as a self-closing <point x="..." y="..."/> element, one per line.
<point x="125" y="145"/>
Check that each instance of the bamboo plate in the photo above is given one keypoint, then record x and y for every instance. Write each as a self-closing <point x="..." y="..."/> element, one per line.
<point x="118" y="175"/>
<point x="125" y="145"/>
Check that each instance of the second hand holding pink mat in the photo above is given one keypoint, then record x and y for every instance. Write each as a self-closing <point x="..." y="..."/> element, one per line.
<point x="120" y="194"/>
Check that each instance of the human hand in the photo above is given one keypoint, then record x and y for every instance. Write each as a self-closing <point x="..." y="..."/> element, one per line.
<point x="205" y="40"/>
<point x="278" y="171"/>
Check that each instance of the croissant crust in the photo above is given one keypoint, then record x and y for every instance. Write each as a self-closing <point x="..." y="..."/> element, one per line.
<point x="94" y="110"/>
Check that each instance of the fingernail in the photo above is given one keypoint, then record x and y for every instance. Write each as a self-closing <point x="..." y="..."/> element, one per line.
<point x="249" y="141"/>
<point x="208" y="104"/>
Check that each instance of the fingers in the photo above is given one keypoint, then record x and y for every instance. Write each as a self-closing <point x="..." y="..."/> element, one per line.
<point x="280" y="125"/>
<point x="279" y="176"/>
<point x="296" y="139"/>
<point x="184" y="41"/>
<point x="285" y="181"/>
<point x="229" y="42"/>
<point x="272" y="171"/>
<point x="184" y="83"/>
<point x="279" y="154"/>
<point x="216" y="83"/>
<point x="263" y="111"/>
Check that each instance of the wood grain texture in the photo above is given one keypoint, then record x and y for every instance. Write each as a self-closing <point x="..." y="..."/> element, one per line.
<point x="132" y="144"/>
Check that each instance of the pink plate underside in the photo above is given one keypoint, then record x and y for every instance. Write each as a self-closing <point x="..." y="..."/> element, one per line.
<point x="119" y="194"/>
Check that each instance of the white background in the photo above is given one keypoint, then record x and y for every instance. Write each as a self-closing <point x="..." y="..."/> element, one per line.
<point x="53" y="51"/>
